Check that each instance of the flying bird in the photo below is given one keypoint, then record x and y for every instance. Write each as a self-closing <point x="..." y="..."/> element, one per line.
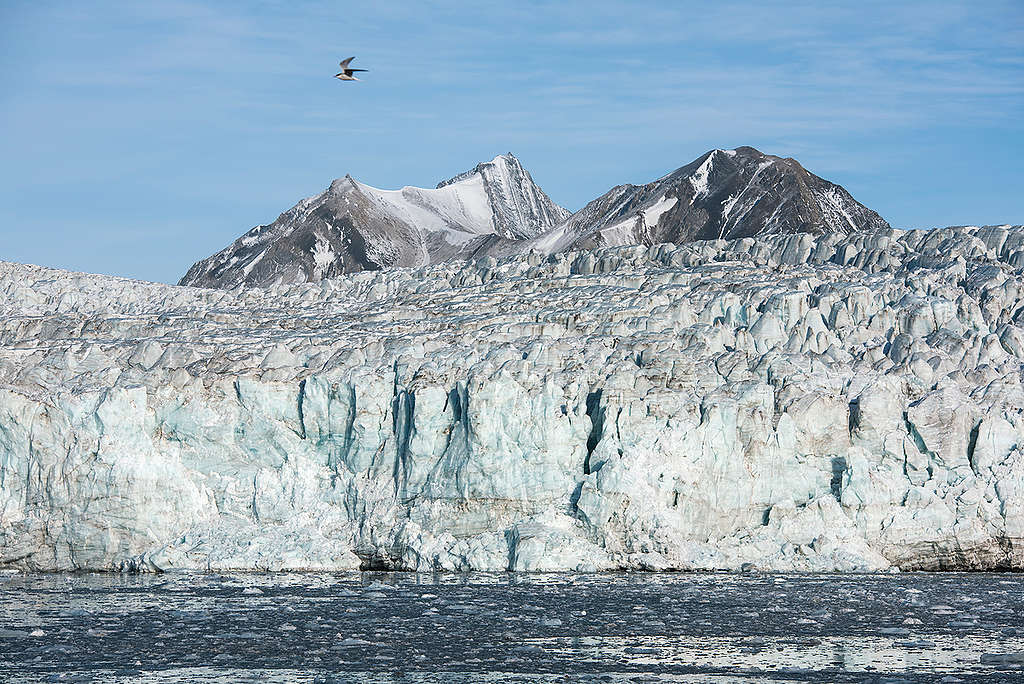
<point x="346" y="72"/>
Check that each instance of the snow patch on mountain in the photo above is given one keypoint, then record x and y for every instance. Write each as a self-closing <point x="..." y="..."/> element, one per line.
<point x="461" y="207"/>
<point x="247" y="269"/>
<point x="322" y="256"/>
<point x="653" y="214"/>
<point x="699" y="179"/>
<point x="835" y="202"/>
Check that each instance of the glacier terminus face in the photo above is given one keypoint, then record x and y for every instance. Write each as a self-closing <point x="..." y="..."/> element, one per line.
<point x="844" y="401"/>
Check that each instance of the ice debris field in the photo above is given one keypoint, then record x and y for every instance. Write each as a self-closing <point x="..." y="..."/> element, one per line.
<point x="831" y="403"/>
<point x="511" y="628"/>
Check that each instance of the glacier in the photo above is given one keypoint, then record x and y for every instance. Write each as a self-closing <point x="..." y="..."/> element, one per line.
<point x="835" y="402"/>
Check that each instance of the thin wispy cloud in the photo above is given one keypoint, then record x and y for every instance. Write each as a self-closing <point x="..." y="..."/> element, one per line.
<point x="199" y="119"/>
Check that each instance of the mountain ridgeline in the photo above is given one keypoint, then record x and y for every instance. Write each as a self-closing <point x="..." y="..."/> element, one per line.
<point x="497" y="209"/>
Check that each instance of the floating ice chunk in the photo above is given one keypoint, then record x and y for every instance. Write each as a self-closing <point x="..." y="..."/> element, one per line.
<point x="12" y="633"/>
<point x="921" y="643"/>
<point x="352" y="643"/>
<point x="894" y="631"/>
<point x="1003" y="659"/>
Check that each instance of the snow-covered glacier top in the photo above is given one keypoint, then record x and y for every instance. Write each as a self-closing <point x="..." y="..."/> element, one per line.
<point x="845" y="401"/>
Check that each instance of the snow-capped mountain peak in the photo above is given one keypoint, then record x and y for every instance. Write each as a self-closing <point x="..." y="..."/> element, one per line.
<point x="503" y="163"/>
<point x="723" y="194"/>
<point x="520" y="208"/>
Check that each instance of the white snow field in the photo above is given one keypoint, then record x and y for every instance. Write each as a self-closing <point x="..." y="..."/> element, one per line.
<point x="847" y="402"/>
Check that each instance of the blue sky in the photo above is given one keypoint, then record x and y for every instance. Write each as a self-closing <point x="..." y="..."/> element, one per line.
<point x="139" y="137"/>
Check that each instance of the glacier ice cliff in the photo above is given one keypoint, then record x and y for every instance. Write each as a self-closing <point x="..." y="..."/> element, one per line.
<point x="793" y="402"/>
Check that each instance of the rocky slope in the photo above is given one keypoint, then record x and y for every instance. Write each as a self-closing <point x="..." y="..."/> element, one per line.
<point x="796" y="402"/>
<point x="724" y="194"/>
<point x="353" y="227"/>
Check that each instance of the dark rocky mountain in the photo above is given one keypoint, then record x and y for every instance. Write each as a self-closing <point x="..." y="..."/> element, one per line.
<point x="497" y="209"/>
<point x="354" y="227"/>
<point x="724" y="194"/>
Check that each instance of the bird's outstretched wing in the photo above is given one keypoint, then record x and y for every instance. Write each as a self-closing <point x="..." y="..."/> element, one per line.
<point x="344" y="62"/>
<point x="349" y="71"/>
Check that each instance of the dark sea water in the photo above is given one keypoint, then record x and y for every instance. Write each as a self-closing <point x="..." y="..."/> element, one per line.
<point x="375" y="627"/>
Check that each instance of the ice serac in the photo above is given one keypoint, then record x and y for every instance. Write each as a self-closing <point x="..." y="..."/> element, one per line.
<point x="843" y="401"/>
<point x="724" y="194"/>
<point x="353" y="227"/>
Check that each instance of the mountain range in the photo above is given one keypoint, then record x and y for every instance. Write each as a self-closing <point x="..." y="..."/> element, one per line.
<point x="497" y="209"/>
